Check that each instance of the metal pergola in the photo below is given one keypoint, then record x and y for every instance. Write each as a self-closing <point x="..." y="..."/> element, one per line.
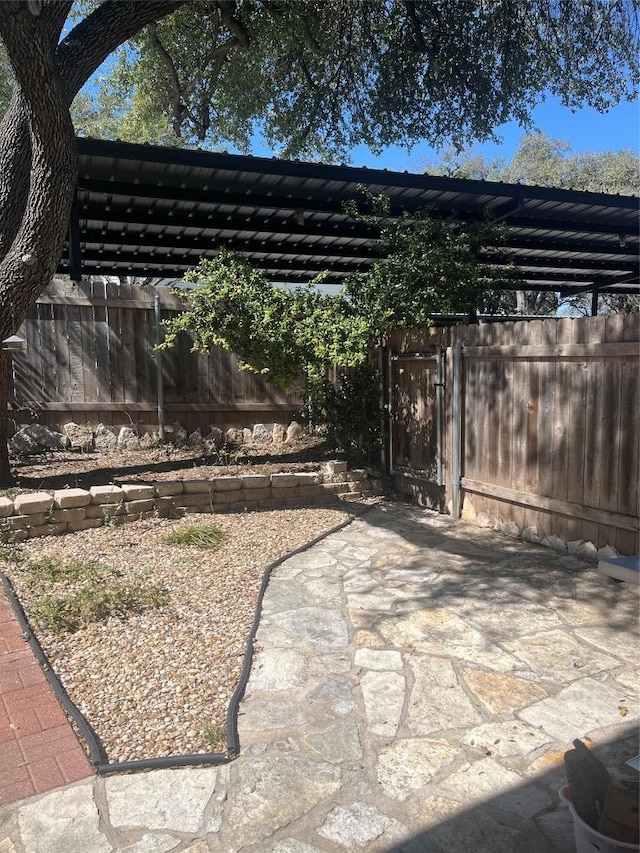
<point x="144" y="210"/>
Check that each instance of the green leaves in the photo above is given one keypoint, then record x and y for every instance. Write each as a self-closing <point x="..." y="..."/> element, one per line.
<point x="281" y="333"/>
<point x="431" y="266"/>
<point x="316" y="77"/>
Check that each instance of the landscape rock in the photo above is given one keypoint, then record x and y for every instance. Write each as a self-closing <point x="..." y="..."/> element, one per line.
<point x="104" y="440"/>
<point x="216" y="437"/>
<point x="234" y="436"/>
<point x="127" y="439"/>
<point x="37" y="438"/>
<point x="247" y="436"/>
<point x="588" y="551"/>
<point x="531" y="534"/>
<point x="510" y="528"/>
<point x="80" y="436"/>
<point x="608" y="552"/>
<point x="556" y="543"/>
<point x="261" y="434"/>
<point x="180" y="435"/>
<point x="196" y="441"/>
<point x="293" y="430"/>
<point x="149" y="441"/>
<point x="279" y="434"/>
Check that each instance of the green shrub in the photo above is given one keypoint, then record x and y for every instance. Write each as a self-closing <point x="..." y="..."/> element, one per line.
<point x="205" y="536"/>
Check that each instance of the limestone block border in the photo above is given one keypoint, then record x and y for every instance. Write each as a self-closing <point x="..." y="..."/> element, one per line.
<point x="52" y="513"/>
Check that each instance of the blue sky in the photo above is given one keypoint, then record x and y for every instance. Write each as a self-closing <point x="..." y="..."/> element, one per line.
<point x="585" y="130"/>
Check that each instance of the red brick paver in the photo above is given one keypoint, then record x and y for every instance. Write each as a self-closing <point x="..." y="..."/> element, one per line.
<point x="38" y="748"/>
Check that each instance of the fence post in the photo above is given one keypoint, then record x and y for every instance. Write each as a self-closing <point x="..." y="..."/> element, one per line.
<point x="158" y="355"/>
<point x="456" y="431"/>
<point x="439" y="383"/>
<point x="383" y="395"/>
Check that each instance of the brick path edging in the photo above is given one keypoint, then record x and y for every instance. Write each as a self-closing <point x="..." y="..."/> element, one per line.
<point x="39" y="750"/>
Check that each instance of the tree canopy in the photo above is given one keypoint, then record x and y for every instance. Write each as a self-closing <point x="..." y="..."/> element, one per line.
<point x="543" y="161"/>
<point x="315" y="77"/>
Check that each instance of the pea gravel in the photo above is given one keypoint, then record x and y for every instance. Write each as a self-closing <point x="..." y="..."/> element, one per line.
<point x="158" y="683"/>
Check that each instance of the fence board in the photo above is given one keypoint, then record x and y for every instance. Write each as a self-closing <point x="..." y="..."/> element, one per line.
<point x="576" y="415"/>
<point x="629" y="452"/>
<point x="90" y="356"/>
<point x="61" y="353"/>
<point x="611" y="414"/>
<point x="551" y="425"/>
<point x="561" y="422"/>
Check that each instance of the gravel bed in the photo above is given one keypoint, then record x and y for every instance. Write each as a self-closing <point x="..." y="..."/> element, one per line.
<point x="83" y="470"/>
<point x="158" y="683"/>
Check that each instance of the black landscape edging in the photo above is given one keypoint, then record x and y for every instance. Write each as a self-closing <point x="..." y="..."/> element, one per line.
<point x="233" y="740"/>
<point x="97" y="753"/>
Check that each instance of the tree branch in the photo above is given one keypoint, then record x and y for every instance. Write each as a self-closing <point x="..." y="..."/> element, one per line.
<point x="98" y="35"/>
<point x="410" y="6"/>
<point x="233" y="23"/>
<point x="177" y="101"/>
<point x="78" y="56"/>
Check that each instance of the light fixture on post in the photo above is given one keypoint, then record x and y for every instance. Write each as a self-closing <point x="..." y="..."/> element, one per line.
<point x="14" y="343"/>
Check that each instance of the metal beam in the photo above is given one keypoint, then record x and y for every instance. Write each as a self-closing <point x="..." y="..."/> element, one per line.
<point x="121" y="240"/>
<point x="235" y="164"/>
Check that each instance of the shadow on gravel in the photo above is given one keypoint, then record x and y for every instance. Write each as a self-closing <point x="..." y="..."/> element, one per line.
<point x="111" y="471"/>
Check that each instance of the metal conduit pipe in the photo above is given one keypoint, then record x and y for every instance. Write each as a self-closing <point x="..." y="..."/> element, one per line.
<point x="390" y="412"/>
<point x="456" y="431"/>
<point x="439" y="383"/>
<point x="158" y="357"/>
<point x="382" y="417"/>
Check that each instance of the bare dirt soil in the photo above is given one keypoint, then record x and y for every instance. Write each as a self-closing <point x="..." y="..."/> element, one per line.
<point x="82" y="470"/>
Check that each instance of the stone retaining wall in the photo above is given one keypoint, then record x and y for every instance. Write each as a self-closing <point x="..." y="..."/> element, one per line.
<point x="68" y="510"/>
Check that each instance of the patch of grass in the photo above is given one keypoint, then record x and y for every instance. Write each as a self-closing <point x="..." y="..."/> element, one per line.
<point x="205" y="536"/>
<point x="94" y="602"/>
<point x="213" y="734"/>
<point x="67" y="596"/>
<point x="50" y="571"/>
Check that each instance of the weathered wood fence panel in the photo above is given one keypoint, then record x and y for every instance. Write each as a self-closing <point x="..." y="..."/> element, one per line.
<point x="90" y="358"/>
<point x="550" y="425"/>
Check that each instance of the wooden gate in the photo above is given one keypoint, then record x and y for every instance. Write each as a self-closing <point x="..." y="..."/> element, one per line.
<point x="415" y="411"/>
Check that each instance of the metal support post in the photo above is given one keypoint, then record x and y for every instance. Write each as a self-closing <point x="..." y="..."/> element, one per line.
<point x="456" y="431"/>
<point x="158" y="357"/>
<point x="439" y="383"/>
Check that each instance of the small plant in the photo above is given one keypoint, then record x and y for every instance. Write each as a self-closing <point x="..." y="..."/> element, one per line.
<point x="205" y="536"/>
<point x="111" y="516"/>
<point x="67" y="596"/>
<point x="94" y="602"/>
<point x="213" y="733"/>
<point x="49" y="571"/>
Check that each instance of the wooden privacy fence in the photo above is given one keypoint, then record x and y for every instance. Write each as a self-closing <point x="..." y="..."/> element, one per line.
<point x="90" y="358"/>
<point x="535" y="423"/>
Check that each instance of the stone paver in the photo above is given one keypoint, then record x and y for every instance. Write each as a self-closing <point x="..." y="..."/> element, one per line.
<point x="416" y="685"/>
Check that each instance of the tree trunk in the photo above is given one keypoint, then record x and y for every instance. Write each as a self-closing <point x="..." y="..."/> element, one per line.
<point x="37" y="147"/>
<point x="5" y="470"/>
<point x="34" y="252"/>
